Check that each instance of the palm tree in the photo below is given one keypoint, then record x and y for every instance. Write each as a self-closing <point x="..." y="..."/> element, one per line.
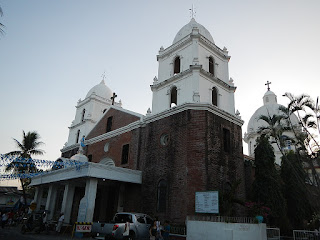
<point x="24" y="164"/>
<point x="274" y="128"/>
<point x="308" y="114"/>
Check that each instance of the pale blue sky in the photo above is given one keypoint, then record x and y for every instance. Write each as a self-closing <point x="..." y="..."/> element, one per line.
<point x="53" y="52"/>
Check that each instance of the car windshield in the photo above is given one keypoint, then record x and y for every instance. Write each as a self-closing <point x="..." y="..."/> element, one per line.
<point x="123" y="218"/>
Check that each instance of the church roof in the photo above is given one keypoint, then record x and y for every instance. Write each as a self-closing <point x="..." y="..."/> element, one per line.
<point x="101" y="90"/>
<point x="270" y="107"/>
<point x="187" y="29"/>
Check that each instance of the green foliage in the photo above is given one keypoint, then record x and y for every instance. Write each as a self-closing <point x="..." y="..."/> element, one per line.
<point x="228" y="199"/>
<point x="295" y="191"/>
<point x="267" y="184"/>
<point x="27" y="148"/>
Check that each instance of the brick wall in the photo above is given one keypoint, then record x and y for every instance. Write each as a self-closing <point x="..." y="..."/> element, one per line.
<point x="193" y="160"/>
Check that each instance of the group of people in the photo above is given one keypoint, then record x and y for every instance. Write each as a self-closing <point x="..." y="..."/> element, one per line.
<point x="9" y="218"/>
<point x="159" y="232"/>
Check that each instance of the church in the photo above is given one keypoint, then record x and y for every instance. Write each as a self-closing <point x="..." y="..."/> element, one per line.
<point x="270" y="108"/>
<point x="191" y="141"/>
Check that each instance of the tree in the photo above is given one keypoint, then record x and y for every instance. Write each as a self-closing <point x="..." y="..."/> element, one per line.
<point x="266" y="187"/>
<point x="295" y="191"/>
<point x="24" y="164"/>
<point x="307" y="146"/>
<point x="292" y="172"/>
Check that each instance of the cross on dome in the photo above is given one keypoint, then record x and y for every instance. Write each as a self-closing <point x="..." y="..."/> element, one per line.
<point x="103" y="75"/>
<point x="192" y="11"/>
<point x="268" y="83"/>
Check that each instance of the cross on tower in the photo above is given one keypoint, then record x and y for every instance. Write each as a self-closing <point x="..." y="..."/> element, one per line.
<point x="113" y="98"/>
<point x="268" y="83"/>
<point x="192" y="11"/>
<point x="103" y="75"/>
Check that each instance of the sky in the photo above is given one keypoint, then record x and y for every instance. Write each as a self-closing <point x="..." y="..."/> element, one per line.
<point x="54" y="52"/>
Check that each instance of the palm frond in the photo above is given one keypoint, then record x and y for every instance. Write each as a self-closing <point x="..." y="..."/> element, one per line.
<point x="36" y="152"/>
<point x="14" y="153"/>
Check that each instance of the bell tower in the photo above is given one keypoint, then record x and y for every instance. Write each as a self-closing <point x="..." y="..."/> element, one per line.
<point x="193" y="70"/>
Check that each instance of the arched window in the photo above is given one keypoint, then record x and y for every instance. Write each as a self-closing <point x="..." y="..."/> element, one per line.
<point x="162" y="196"/>
<point x="211" y="65"/>
<point x="83" y="113"/>
<point x="214" y="96"/>
<point x="78" y="136"/>
<point x="109" y="124"/>
<point x="173" y="97"/>
<point x="176" y="65"/>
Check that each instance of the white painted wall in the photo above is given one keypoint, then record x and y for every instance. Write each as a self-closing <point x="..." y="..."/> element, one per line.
<point x="192" y="51"/>
<point x="200" y="230"/>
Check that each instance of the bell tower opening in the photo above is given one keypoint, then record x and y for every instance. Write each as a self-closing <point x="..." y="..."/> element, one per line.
<point x="214" y="96"/>
<point x="176" y="69"/>
<point x="173" y="97"/>
<point x="211" y="65"/>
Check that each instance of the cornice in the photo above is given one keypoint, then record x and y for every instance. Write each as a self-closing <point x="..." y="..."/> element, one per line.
<point x="174" y="47"/>
<point x="214" y="47"/>
<point x="169" y="80"/>
<point x="81" y="123"/>
<point x="152" y="118"/>
<point x="217" y="80"/>
<point x="188" y="39"/>
<point x="94" y="97"/>
<point x="189" y="71"/>
<point x="194" y="106"/>
<point x="68" y="148"/>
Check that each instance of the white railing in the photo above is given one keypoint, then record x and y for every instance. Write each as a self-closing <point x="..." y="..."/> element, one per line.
<point x="222" y="219"/>
<point x="273" y="233"/>
<point x="305" y="235"/>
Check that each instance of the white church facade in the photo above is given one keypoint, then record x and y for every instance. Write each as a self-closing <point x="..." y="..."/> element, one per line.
<point x="190" y="142"/>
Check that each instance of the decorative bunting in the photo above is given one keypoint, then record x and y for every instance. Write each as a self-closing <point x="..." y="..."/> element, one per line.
<point x="27" y="167"/>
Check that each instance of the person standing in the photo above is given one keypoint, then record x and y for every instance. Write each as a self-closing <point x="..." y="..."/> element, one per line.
<point x="153" y="231"/>
<point x="60" y="222"/>
<point x="166" y="230"/>
<point x="4" y="219"/>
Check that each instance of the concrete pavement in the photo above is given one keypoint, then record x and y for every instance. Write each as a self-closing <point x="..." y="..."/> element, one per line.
<point x="13" y="233"/>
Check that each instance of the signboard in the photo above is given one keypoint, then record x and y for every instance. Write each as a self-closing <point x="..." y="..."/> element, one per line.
<point x="33" y="206"/>
<point x="207" y="202"/>
<point x="83" y="228"/>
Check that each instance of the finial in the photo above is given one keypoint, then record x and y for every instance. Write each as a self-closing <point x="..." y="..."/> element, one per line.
<point x="155" y="79"/>
<point x="192" y="12"/>
<point x="103" y="76"/>
<point x="268" y="83"/>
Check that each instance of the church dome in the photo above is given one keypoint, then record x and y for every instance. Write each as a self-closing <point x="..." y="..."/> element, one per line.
<point x="187" y="29"/>
<point x="79" y="157"/>
<point x="101" y="90"/>
<point x="270" y="108"/>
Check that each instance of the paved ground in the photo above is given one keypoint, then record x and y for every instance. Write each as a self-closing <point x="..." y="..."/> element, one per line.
<point x="13" y="233"/>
